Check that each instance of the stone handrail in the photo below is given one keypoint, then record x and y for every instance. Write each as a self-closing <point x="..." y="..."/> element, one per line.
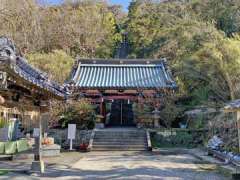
<point x="149" y="144"/>
<point x="89" y="148"/>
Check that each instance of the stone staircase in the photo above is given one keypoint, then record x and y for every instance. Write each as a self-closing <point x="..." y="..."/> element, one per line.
<point x="122" y="139"/>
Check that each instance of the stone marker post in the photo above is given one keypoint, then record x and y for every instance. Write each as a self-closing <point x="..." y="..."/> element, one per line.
<point x="156" y="116"/>
<point x="38" y="164"/>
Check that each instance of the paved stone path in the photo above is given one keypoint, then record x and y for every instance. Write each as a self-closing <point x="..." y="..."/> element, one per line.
<point x="128" y="165"/>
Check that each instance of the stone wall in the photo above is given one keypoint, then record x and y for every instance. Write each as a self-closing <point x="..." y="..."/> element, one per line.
<point x="60" y="137"/>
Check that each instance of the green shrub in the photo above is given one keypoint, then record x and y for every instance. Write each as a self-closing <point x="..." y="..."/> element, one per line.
<point x="181" y="138"/>
<point x="80" y="113"/>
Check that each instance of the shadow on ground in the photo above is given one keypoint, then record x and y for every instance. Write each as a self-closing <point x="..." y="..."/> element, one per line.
<point x="126" y="165"/>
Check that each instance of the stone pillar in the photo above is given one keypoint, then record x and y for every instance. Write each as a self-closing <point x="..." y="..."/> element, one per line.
<point x="156" y="116"/>
<point x="38" y="164"/>
<point x="102" y="119"/>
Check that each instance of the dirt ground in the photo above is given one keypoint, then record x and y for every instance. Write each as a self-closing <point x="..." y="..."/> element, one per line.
<point x="122" y="165"/>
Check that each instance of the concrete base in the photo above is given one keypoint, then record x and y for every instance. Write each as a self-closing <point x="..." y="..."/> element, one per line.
<point x="51" y="150"/>
<point x="38" y="167"/>
<point x="23" y="156"/>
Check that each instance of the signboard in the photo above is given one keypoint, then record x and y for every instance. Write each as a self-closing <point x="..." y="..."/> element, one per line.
<point x="36" y="132"/>
<point x="71" y="131"/>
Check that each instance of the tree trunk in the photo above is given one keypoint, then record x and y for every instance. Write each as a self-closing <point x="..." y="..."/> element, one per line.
<point x="230" y="85"/>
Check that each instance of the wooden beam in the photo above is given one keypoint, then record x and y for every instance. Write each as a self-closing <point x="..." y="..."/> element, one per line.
<point x="120" y="97"/>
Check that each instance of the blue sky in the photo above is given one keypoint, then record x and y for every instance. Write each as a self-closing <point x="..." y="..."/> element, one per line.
<point x="124" y="3"/>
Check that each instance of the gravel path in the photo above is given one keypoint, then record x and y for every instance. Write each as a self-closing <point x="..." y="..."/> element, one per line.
<point x="130" y="165"/>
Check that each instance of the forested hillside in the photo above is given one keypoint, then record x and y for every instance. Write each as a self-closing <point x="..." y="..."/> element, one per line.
<point x="199" y="38"/>
<point x="51" y="35"/>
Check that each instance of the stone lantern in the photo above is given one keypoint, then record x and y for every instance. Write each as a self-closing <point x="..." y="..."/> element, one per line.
<point x="156" y="117"/>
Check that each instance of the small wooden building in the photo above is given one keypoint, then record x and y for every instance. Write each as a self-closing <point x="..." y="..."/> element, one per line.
<point x="120" y="83"/>
<point x="24" y="90"/>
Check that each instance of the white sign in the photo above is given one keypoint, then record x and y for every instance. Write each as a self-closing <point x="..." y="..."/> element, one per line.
<point x="36" y="132"/>
<point x="71" y="131"/>
<point x="71" y="134"/>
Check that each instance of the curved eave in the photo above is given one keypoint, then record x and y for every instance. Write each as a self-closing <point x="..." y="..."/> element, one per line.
<point x="105" y="75"/>
<point x="126" y="88"/>
<point x="29" y="82"/>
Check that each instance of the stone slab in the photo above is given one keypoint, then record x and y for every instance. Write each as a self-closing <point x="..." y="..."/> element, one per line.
<point x="51" y="150"/>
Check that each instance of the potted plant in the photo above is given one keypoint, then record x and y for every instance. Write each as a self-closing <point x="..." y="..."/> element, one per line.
<point x="84" y="145"/>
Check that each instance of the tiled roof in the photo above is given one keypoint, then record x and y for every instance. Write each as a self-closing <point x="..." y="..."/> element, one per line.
<point x="38" y="78"/>
<point x="122" y="74"/>
<point x="17" y="65"/>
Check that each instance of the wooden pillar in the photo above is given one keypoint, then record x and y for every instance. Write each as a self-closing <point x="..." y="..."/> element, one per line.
<point x="238" y="128"/>
<point x="103" y="110"/>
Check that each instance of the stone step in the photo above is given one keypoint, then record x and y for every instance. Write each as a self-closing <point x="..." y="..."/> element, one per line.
<point x="130" y="132"/>
<point x="119" y="143"/>
<point x="120" y="137"/>
<point x="119" y="147"/>
<point x="120" y="131"/>
<point x="135" y="149"/>
<point x="120" y="140"/>
<point x="123" y="134"/>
